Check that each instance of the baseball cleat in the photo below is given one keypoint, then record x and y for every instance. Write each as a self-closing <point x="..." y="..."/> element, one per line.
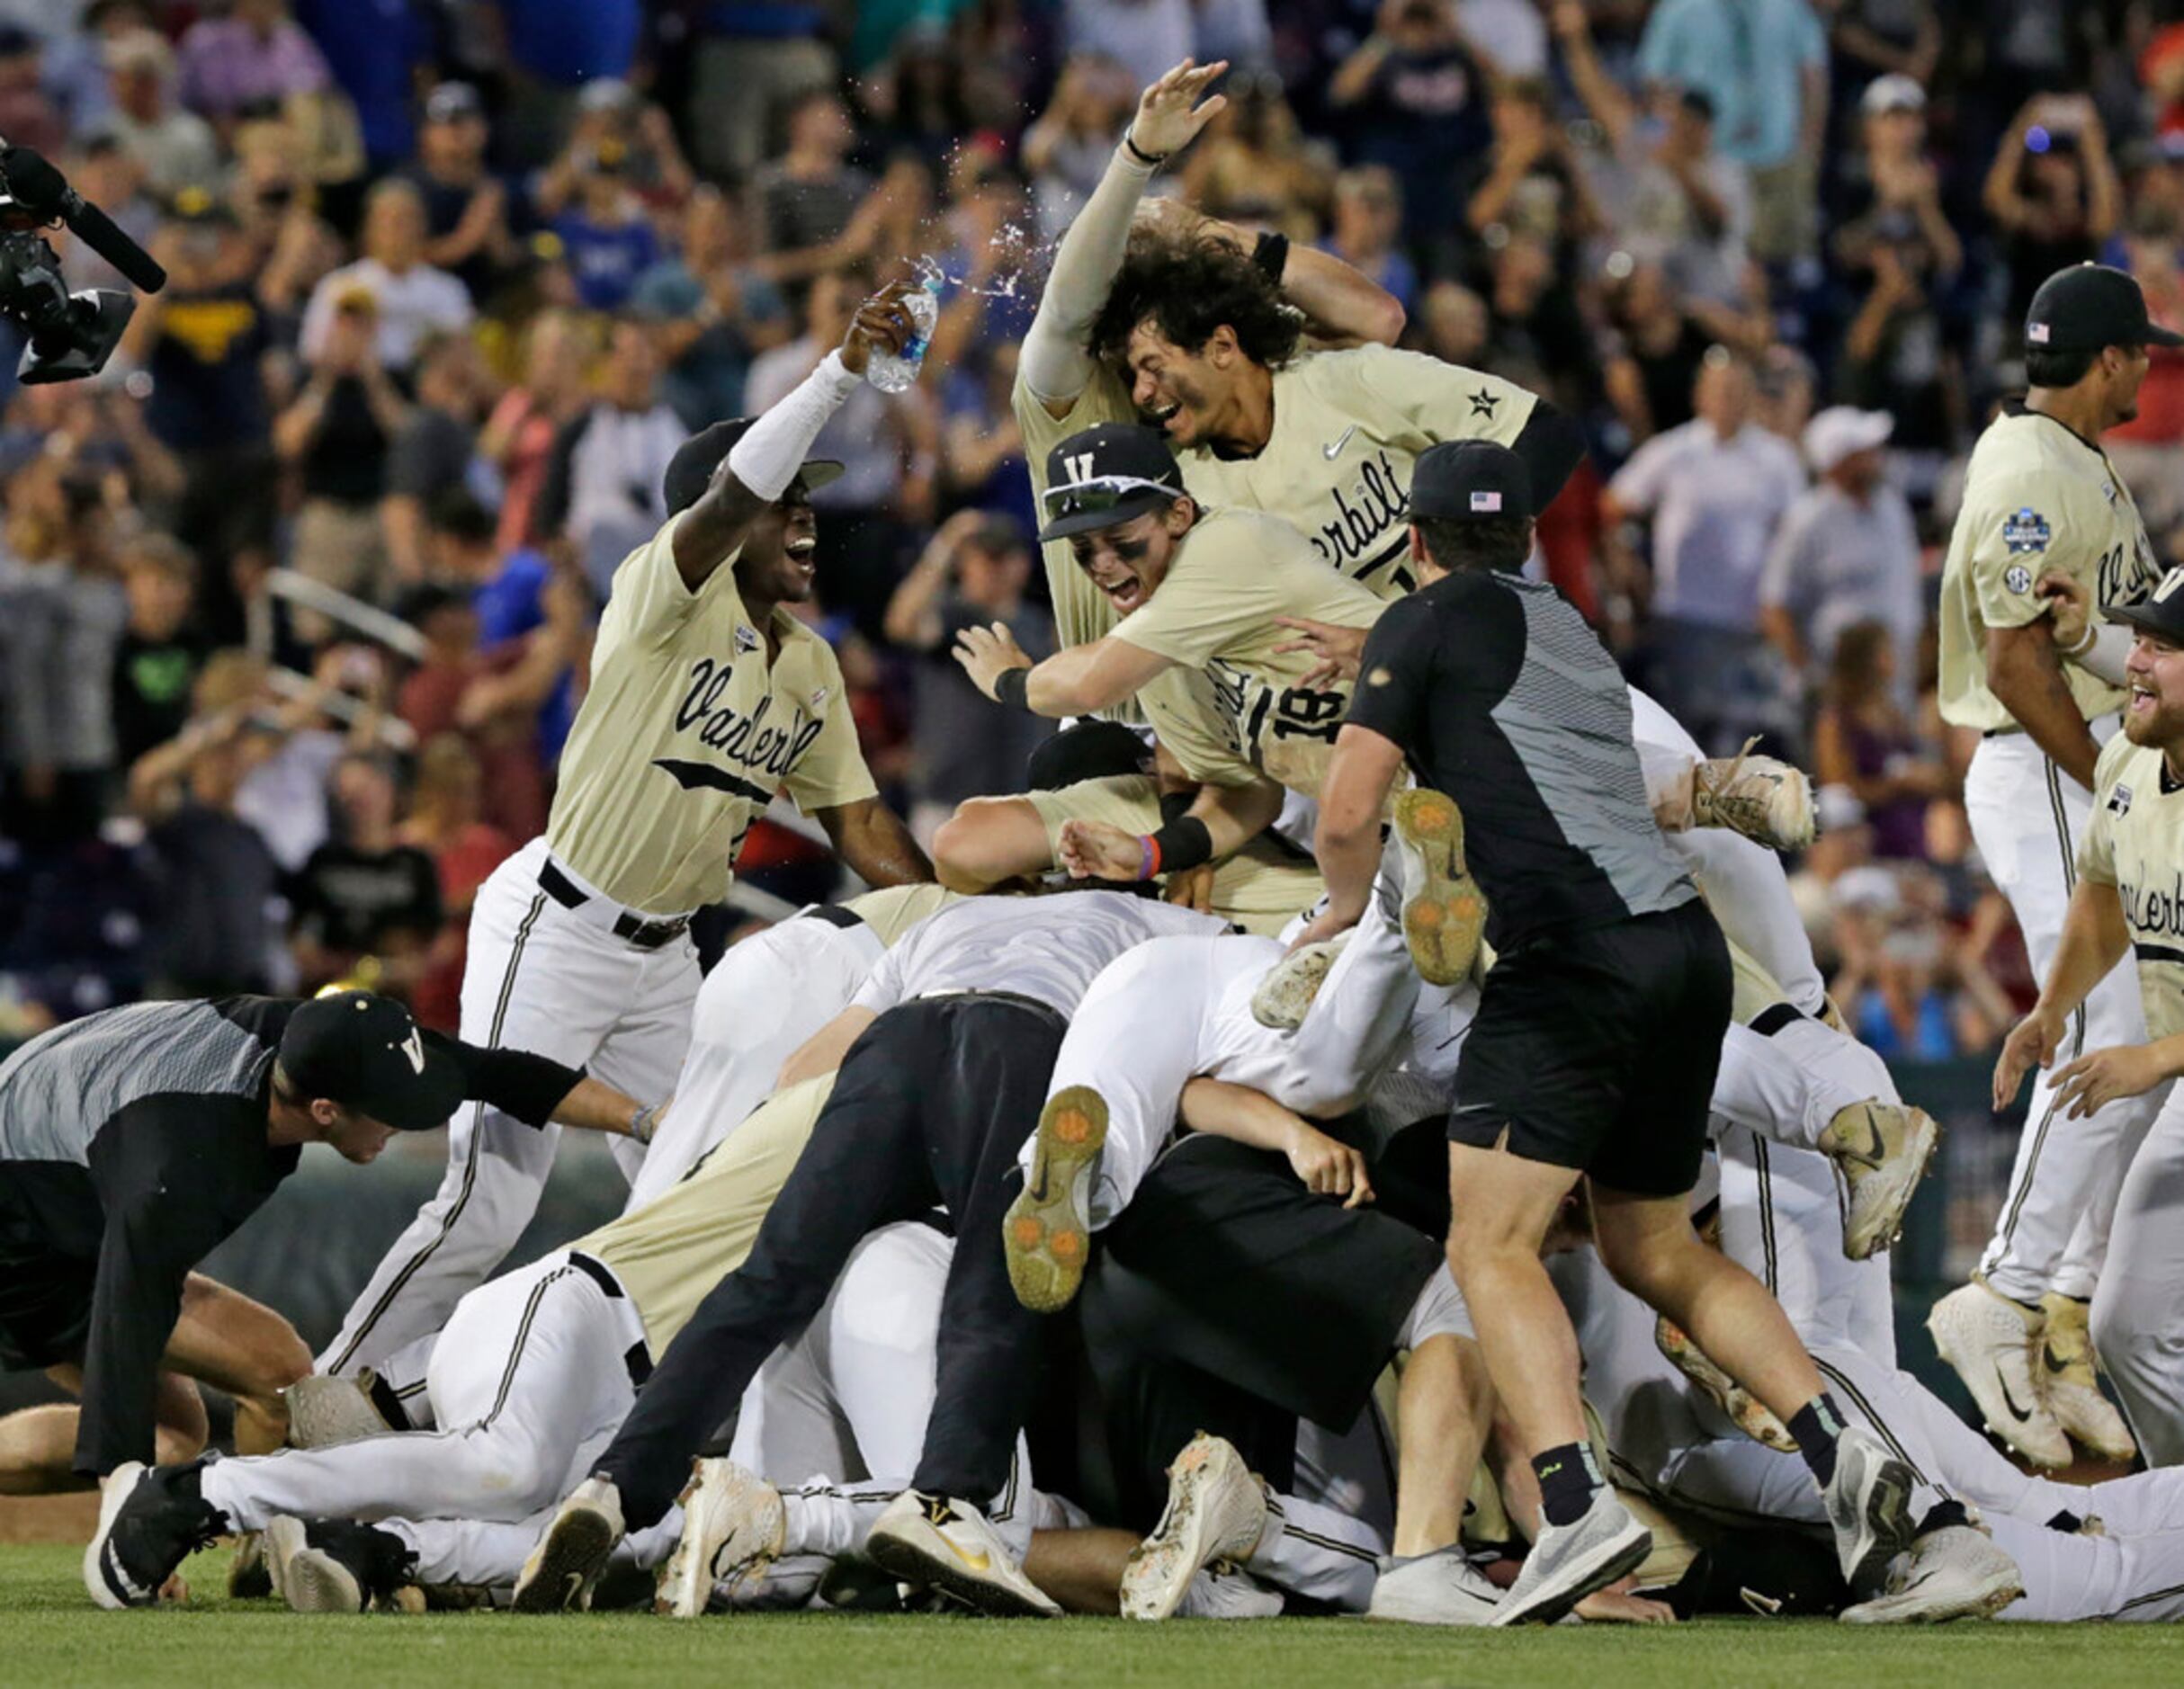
<point x="1746" y="1411"/>
<point x="1954" y="1572"/>
<point x="1994" y="1342"/>
<point x="733" y="1528"/>
<point x="151" y="1519"/>
<point x="1221" y="1591"/>
<point x="1868" y="1503"/>
<point x="939" y="1543"/>
<point x="1569" y="1561"/>
<point x="1284" y="996"/>
<point x="324" y="1412"/>
<point x="1882" y="1149"/>
<point x="1216" y="1511"/>
<point x="1766" y="799"/>
<point x="1438" y="1588"/>
<point x="336" y="1565"/>
<point x="1443" y="910"/>
<point x="2072" y="1383"/>
<point x="1047" y="1232"/>
<point x="248" y="1577"/>
<point x="564" y="1569"/>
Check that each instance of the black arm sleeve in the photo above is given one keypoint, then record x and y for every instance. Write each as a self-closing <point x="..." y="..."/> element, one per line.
<point x="1551" y="446"/>
<point x="514" y="1081"/>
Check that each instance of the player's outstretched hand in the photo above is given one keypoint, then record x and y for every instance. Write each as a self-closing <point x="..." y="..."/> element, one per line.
<point x="883" y="321"/>
<point x="2092" y="1082"/>
<point x="2032" y="1044"/>
<point x="1329" y="1167"/>
<point x="1339" y="651"/>
<point x="987" y="653"/>
<point x="1617" y="1606"/>
<point x="2070" y="606"/>
<point x="1169" y="116"/>
<point x="1192" y="889"/>
<point x="1098" y="850"/>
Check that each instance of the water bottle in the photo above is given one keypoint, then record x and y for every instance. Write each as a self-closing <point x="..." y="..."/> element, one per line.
<point x="894" y="372"/>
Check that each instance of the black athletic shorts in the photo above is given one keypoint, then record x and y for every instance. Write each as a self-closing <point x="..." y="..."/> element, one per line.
<point x="45" y="1306"/>
<point x="1597" y="1050"/>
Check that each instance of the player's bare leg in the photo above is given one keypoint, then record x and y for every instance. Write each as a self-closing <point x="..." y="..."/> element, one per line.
<point x="38" y="1444"/>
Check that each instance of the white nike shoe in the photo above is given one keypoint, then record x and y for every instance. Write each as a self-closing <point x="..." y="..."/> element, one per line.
<point x="1047" y="1232"/>
<point x="1954" y="1572"/>
<point x="324" y="1412"/>
<point x="2072" y="1385"/>
<point x="564" y="1569"/>
<point x="733" y="1527"/>
<point x="1443" y="910"/>
<point x="1438" y="1588"/>
<point x="1216" y="1511"/>
<point x="1993" y="1344"/>
<point x="1869" y="1507"/>
<point x="1882" y="1150"/>
<point x="940" y="1543"/>
<point x="1569" y="1561"/>
<point x="1284" y="996"/>
<point x="1744" y="1410"/>
<point x="1222" y="1591"/>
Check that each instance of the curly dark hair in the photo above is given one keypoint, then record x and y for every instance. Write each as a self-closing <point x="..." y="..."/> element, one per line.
<point x="1188" y="287"/>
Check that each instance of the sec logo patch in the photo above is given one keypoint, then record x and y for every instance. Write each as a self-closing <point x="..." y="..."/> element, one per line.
<point x="2018" y="578"/>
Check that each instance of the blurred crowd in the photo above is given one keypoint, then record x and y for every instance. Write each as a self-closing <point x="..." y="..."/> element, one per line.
<point x="296" y="598"/>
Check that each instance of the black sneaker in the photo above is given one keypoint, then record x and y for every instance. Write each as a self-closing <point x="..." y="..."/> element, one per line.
<point x="151" y="1520"/>
<point x="336" y="1565"/>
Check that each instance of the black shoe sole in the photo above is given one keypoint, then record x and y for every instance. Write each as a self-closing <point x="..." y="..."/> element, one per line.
<point x="1889" y="1496"/>
<point x="911" y="1565"/>
<point x="575" y="1548"/>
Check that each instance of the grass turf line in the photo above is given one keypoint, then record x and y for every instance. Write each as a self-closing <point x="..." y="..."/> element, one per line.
<point x="51" y="1634"/>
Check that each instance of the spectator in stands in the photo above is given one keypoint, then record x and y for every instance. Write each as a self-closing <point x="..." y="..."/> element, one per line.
<point x="982" y="452"/>
<point x="255" y="56"/>
<point x="519" y="435"/>
<point x="1145" y="37"/>
<point x="1368" y="221"/>
<point x="285" y="789"/>
<point x="603" y="226"/>
<point x="1878" y="38"/>
<point x="2144" y="450"/>
<point x="215" y="879"/>
<point x="277" y="205"/>
<point x="917" y="103"/>
<point x="364" y="907"/>
<point x="1531" y="184"/>
<point x="604" y="487"/>
<point x="974" y="572"/>
<point x="756" y="61"/>
<point x="469" y="217"/>
<point x="1847" y="552"/>
<point x="159" y="654"/>
<point x="808" y="195"/>
<point x="108" y="174"/>
<point x="1454" y="324"/>
<point x="1416" y="101"/>
<point x="2053" y="194"/>
<point x="1651" y="352"/>
<point x="411" y="297"/>
<point x="1716" y="490"/>
<point x="1864" y="743"/>
<point x="446" y="821"/>
<point x="1764" y="67"/>
<point x="28" y="116"/>
<point x="337" y="431"/>
<point x="713" y="311"/>
<point x="1253" y="163"/>
<point x="175" y="148"/>
<point x="434" y="451"/>
<point x="1066" y="151"/>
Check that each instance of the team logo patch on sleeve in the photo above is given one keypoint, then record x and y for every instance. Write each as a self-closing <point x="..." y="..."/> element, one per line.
<point x="746" y="638"/>
<point x="2119" y="800"/>
<point x="2025" y="532"/>
<point x="2018" y="578"/>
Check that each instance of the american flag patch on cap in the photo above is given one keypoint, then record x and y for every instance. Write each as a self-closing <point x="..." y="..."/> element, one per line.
<point x="2037" y="333"/>
<point x="1485" y="503"/>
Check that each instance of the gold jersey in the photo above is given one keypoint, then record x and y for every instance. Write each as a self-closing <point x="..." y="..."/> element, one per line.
<point x="2037" y="497"/>
<point x="2136" y="843"/>
<point x="688" y="731"/>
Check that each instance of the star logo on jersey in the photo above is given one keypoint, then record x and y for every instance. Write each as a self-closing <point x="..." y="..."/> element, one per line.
<point x="1483" y="403"/>
<point x="1330" y="452"/>
<point x="2119" y="800"/>
<point x="746" y="638"/>
<point x="2026" y="532"/>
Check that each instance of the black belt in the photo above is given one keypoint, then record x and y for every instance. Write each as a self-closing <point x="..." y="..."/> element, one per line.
<point x="644" y="933"/>
<point x="2001" y="733"/>
<point x="835" y="915"/>
<point x="636" y="1358"/>
<point x="1775" y="1016"/>
<point x="1008" y="999"/>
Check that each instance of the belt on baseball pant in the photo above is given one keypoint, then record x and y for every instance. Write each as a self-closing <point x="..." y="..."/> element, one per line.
<point x="643" y="932"/>
<point x="1011" y="999"/>
<point x="635" y="1357"/>
<point x="834" y="914"/>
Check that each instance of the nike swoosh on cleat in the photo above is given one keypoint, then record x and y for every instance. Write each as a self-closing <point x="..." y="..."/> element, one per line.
<point x="1331" y="453"/>
<point x="575" y="1582"/>
<point x="2011" y="1400"/>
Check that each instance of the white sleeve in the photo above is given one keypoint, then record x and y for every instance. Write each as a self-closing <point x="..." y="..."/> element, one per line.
<point x="1056" y="361"/>
<point x="2111" y="646"/>
<point x="882" y="987"/>
<point x="1638" y="483"/>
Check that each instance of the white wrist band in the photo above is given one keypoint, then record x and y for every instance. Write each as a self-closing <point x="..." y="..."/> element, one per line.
<point x="773" y="447"/>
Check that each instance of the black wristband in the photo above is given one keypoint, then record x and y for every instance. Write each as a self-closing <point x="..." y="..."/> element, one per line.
<point x="1176" y="805"/>
<point x="1009" y="687"/>
<point x="1183" y="843"/>
<point x="1153" y="160"/>
<point x="1270" y="253"/>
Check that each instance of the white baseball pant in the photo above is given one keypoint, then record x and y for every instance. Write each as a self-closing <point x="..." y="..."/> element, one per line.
<point x="531" y="1378"/>
<point x="761" y="1002"/>
<point x="2027" y="818"/>
<point x="542" y="977"/>
<point x="2138" y="1326"/>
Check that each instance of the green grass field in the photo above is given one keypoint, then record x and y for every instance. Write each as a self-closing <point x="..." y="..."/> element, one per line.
<point x="50" y="1634"/>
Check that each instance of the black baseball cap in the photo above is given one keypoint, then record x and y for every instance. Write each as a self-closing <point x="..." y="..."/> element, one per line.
<point x="1091" y="750"/>
<point x="1468" y="479"/>
<point x="1105" y="476"/>
<point x="366" y="1053"/>
<point x="690" y="470"/>
<point x="2161" y="612"/>
<point x="2088" y="307"/>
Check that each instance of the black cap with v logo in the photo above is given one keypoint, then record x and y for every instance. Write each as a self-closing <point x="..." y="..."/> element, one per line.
<point x="367" y="1054"/>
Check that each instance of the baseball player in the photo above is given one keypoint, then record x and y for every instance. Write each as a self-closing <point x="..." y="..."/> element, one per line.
<point x="2041" y="496"/>
<point x="707" y="697"/>
<point x="2127" y="902"/>
<point x="763" y="999"/>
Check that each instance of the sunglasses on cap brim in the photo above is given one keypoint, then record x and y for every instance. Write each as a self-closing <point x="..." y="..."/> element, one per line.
<point x="1102" y="493"/>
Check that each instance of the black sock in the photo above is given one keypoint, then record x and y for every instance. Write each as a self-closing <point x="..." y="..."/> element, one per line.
<point x="1816" y="1425"/>
<point x="1944" y="1513"/>
<point x="1569" y="1479"/>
